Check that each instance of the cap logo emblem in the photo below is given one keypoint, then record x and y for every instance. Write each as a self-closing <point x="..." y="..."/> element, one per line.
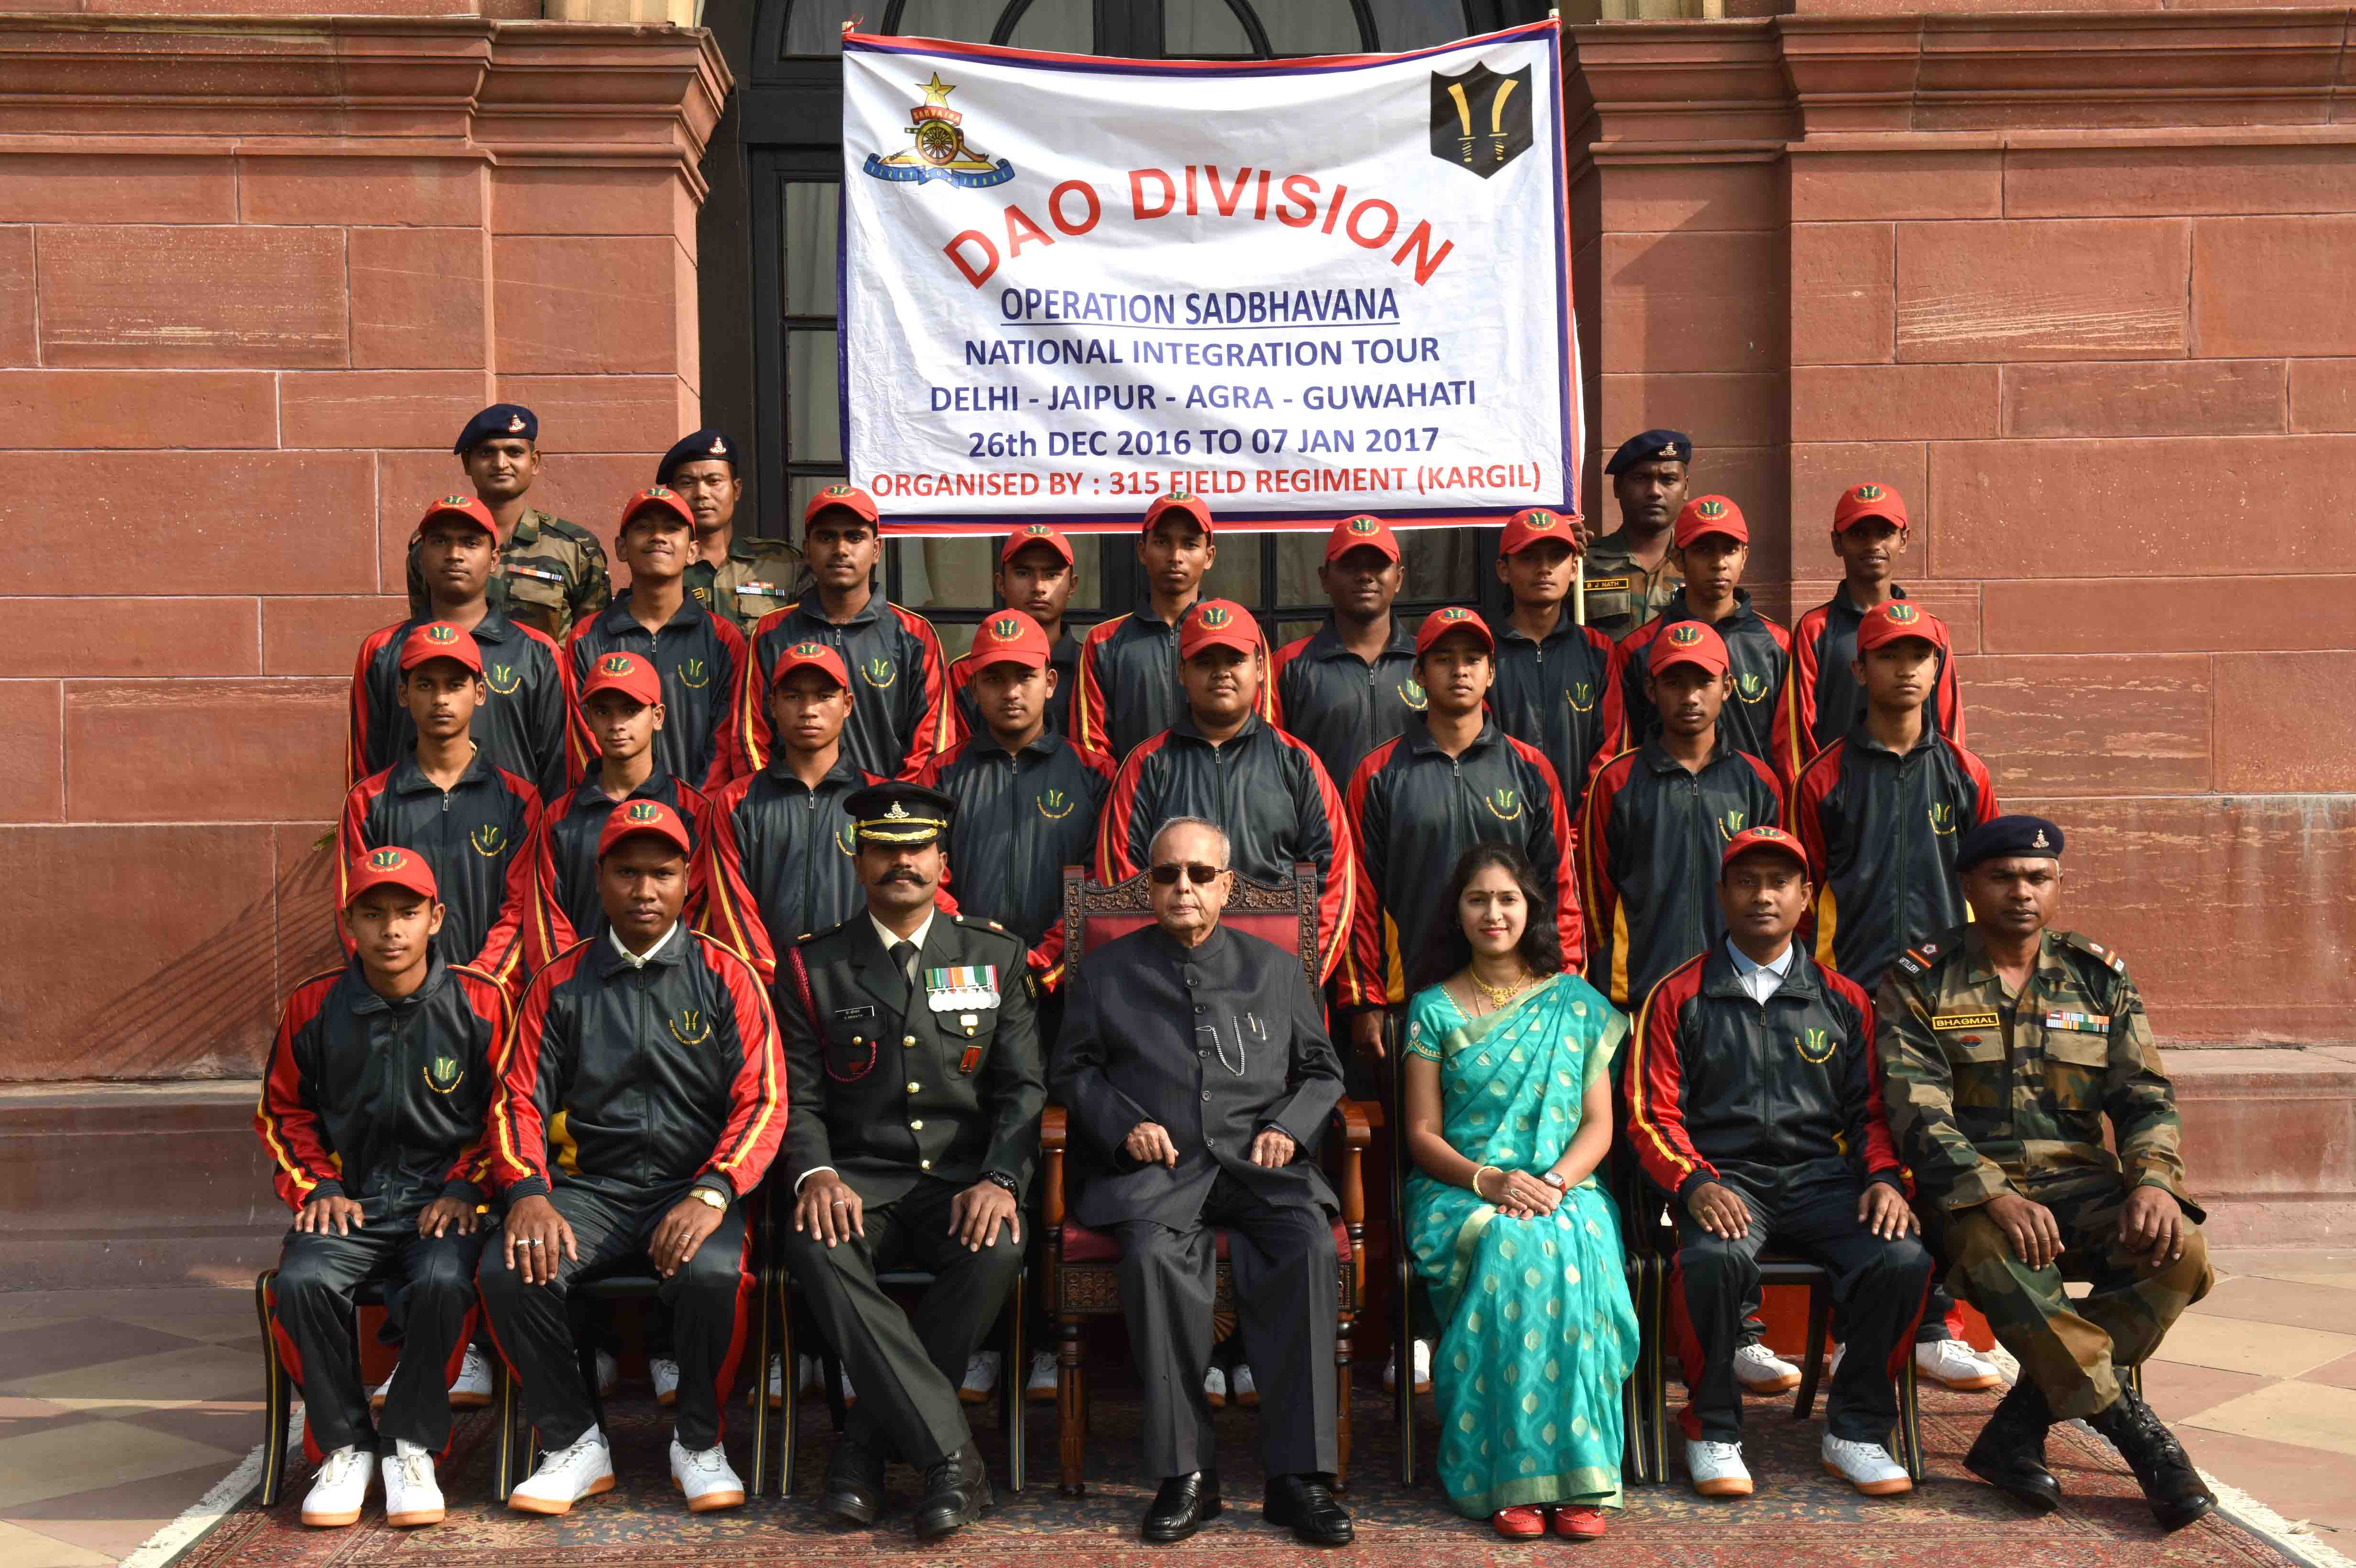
<point x="1364" y="524"/>
<point x="656" y="493"/>
<point x="898" y="813"/>
<point x="1668" y="451"/>
<point x="1903" y="614"/>
<point x="1686" y="633"/>
<point x="1868" y="492"/>
<point x="387" y="861"/>
<point x="1712" y="509"/>
<point x="1214" y="617"/>
<point x="515" y="424"/>
<point x="2039" y="841"/>
<point x="642" y="811"/>
<point x="1538" y="522"/>
<point x="1179" y="496"/>
<point x="1767" y="833"/>
<point x="809" y="650"/>
<point x="1004" y="626"/>
<point x="455" y="503"/>
<point x="1036" y="530"/>
<point x="1455" y="612"/>
<point x="617" y="664"/>
<point x="438" y="633"/>
<point x="832" y="491"/>
<point x="719" y="447"/>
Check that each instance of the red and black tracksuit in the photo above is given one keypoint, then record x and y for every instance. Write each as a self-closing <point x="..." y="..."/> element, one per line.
<point x="701" y="660"/>
<point x="965" y="717"/>
<point x="566" y="905"/>
<point x="780" y="861"/>
<point x="1822" y="698"/>
<point x="1555" y="694"/>
<point x="1649" y="842"/>
<point x="1880" y="830"/>
<point x="624" y="1086"/>
<point x="520" y="726"/>
<point x="473" y="834"/>
<point x="1265" y="788"/>
<point x="1343" y="706"/>
<point x="1758" y="654"/>
<point x="1021" y="817"/>
<point x="899" y="683"/>
<point x="1129" y="682"/>
<point x="380" y="1100"/>
<point x="1780" y="1102"/>
<point x="1413" y="810"/>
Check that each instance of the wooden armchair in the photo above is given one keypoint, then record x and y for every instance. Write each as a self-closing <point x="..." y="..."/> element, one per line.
<point x="1083" y="1276"/>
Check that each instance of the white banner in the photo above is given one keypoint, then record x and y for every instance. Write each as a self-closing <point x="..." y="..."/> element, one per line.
<point x="1301" y="289"/>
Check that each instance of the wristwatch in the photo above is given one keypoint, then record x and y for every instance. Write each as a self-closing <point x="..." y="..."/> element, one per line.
<point x="708" y="1196"/>
<point x="1553" y="1179"/>
<point x="1000" y="1179"/>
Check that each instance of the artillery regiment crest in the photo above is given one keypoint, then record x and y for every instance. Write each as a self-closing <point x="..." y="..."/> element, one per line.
<point x="941" y="151"/>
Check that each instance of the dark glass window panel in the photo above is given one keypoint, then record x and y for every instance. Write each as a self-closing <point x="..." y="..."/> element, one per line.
<point x="811" y="232"/>
<point x="814" y="403"/>
<point x="815" y="27"/>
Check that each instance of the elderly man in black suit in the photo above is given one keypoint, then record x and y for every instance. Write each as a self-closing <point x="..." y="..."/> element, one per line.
<point x="1198" y="1074"/>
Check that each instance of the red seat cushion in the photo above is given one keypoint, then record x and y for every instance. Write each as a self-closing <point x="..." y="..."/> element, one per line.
<point x="1082" y="1245"/>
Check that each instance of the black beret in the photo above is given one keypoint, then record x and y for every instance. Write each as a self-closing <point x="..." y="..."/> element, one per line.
<point x="499" y="421"/>
<point x="696" y="448"/>
<point x="2004" y="838"/>
<point x="1652" y="444"/>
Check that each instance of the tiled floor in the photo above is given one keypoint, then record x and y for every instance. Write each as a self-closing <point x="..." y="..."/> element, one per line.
<point x="119" y="1409"/>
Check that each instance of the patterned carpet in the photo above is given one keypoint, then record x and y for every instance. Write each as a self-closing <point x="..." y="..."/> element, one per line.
<point x="1800" y="1517"/>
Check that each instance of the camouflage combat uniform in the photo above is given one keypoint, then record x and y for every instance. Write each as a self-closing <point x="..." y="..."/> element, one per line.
<point x="758" y="576"/>
<point x="1620" y="594"/>
<point x="1989" y="1093"/>
<point x="551" y="573"/>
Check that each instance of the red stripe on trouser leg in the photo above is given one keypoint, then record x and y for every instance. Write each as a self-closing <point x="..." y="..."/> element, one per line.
<point x="726" y="1375"/>
<point x="290" y="1360"/>
<point x="1688" y="1348"/>
<point x="457" y="1363"/>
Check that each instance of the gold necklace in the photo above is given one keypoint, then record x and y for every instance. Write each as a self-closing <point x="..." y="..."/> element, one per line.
<point x="1499" y="994"/>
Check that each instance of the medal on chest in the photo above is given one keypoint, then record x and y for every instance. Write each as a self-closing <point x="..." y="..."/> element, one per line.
<point x="966" y="989"/>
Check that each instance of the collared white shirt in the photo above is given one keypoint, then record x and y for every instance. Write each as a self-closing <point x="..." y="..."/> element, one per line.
<point x="634" y="960"/>
<point x="1760" y="980"/>
<point x="891" y="938"/>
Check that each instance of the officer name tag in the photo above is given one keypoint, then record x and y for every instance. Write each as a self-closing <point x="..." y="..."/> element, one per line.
<point x="847" y="1015"/>
<point x="766" y="590"/>
<point x="969" y="985"/>
<point x="1608" y="586"/>
<point x="518" y="569"/>
<point x="1964" y="1020"/>
<point x="2084" y="1023"/>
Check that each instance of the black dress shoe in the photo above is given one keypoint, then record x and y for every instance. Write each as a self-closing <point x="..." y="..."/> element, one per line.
<point x="956" y="1490"/>
<point x="2170" y="1485"/>
<point x="854" y="1482"/>
<point x="1306" y="1503"/>
<point x="2009" y="1453"/>
<point x="1180" y="1506"/>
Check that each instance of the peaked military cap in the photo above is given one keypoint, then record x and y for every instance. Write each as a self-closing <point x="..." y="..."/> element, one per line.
<point x="899" y="813"/>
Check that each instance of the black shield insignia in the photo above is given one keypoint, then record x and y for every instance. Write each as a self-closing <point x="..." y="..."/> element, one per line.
<point x="1481" y="121"/>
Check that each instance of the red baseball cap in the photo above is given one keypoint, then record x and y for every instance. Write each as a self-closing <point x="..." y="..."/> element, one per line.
<point x="391" y="867"/>
<point x="1889" y="622"/>
<point x="1869" y="501"/>
<point x="643" y="816"/>
<point x="440" y="640"/>
<point x="1706" y="514"/>
<point x="1010" y="637"/>
<point x="1184" y="501"/>
<point x="1452" y="618"/>
<point x="1689" y="642"/>
<point x="1218" y="623"/>
<point x="1035" y="533"/>
<point x="626" y="673"/>
<point x="851" y="498"/>
<point x="465" y="507"/>
<point x="661" y="497"/>
<point x="1767" y="838"/>
<point x="1525" y="528"/>
<point x="810" y="656"/>
<point x="1352" y="533"/>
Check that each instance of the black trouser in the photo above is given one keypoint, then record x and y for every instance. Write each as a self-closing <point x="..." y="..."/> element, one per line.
<point x="429" y="1310"/>
<point x="1285" y="1293"/>
<point x="906" y="1367"/>
<point x="710" y="1299"/>
<point x="1877" y="1289"/>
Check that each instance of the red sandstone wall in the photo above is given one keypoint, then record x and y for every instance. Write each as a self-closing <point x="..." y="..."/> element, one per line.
<point x="239" y="324"/>
<point x="2080" y="288"/>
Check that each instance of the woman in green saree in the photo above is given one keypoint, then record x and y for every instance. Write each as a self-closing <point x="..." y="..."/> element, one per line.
<point x="1507" y="1116"/>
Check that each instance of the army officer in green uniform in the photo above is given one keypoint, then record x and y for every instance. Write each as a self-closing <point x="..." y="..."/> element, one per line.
<point x="2004" y="1046"/>
<point x="738" y="580"/>
<point x="913" y="1070"/>
<point x="551" y="572"/>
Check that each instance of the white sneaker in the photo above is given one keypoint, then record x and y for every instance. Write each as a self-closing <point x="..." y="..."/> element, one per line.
<point x="339" y="1490"/>
<point x="980" y="1377"/>
<point x="1953" y="1364"/>
<point x="1246" y="1390"/>
<point x="567" y="1476"/>
<point x="411" y="1494"/>
<point x="1868" y="1467"/>
<point x="1760" y="1370"/>
<point x="665" y="1374"/>
<point x="609" y="1375"/>
<point x="1717" y="1469"/>
<point x="473" y="1389"/>
<point x="1214" y="1388"/>
<point x="705" y="1477"/>
<point x="1422" y="1369"/>
<point x="1042" y="1383"/>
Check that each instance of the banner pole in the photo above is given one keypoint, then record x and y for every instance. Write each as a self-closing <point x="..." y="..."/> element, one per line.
<point x="1579" y="589"/>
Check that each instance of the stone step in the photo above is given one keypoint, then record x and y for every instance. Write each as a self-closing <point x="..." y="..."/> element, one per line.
<point x="2270" y="1141"/>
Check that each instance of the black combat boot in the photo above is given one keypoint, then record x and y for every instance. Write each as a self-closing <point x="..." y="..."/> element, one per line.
<point x="2170" y="1485"/>
<point x="2009" y="1453"/>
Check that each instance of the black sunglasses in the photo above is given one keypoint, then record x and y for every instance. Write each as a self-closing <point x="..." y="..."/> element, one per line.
<point x="1196" y="873"/>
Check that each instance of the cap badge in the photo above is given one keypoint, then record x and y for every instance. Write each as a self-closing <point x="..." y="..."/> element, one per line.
<point x="1668" y="451"/>
<point x="2038" y="842"/>
<point x="387" y="861"/>
<point x="1868" y="492"/>
<point x="1364" y="524"/>
<point x="1903" y="614"/>
<point x="515" y="424"/>
<point x="807" y="650"/>
<point x="1686" y="633"/>
<point x="438" y="633"/>
<point x="719" y="447"/>
<point x="642" y="811"/>
<point x="455" y="503"/>
<point x="832" y="491"/>
<point x="898" y="813"/>
<point x="656" y="493"/>
<point x="1710" y="508"/>
<point x="1456" y="612"/>
<point x="1540" y="521"/>
<point x="1179" y="496"/>
<point x="1766" y="832"/>
<point x="617" y="664"/>
<point x="1035" y="531"/>
<point x="1005" y="626"/>
<point x="1214" y="617"/>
